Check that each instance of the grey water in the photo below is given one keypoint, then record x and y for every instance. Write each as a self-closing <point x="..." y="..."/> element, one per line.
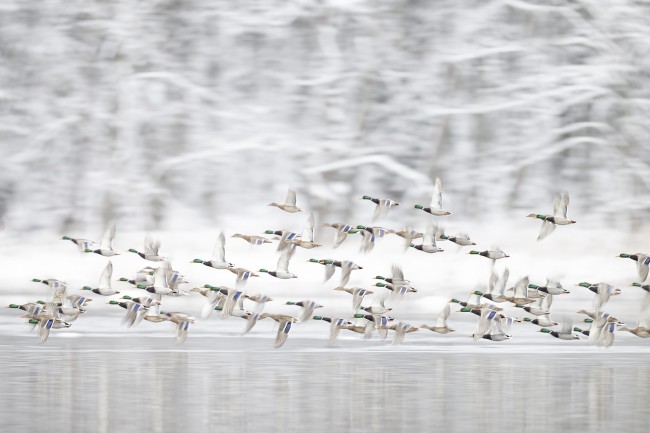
<point x="143" y="385"/>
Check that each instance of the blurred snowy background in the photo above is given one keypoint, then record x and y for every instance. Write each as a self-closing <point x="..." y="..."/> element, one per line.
<point x="168" y="115"/>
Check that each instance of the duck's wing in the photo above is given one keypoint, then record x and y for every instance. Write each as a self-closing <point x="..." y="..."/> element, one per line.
<point x="397" y="273"/>
<point x="335" y="328"/>
<point x="369" y="329"/>
<point x="436" y="198"/>
<point x="603" y="295"/>
<point x="521" y="288"/>
<point x="107" y="239"/>
<point x="492" y="283"/>
<point x="45" y="325"/>
<point x="307" y="234"/>
<point x="211" y="301"/>
<point x="105" y="278"/>
<point x="560" y="205"/>
<point x="219" y="252"/>
<point x="291" y="198"/>
<point x="503" y="281"/>
<point x="346" y="272"/>
<point x="441" y="319"/>
<point x="181" y="330"/>
<point x="341" y="234"/>
<point x="132" y="313"/>
<point x="367" y="242"/>
<point x="606" y="338"/>
<point x="307" y="310"/>
<point x="547" y="228"/>
<point x="400" y="333"/>
<point x="484" y="323"/>
<point x="160" y="276"/>
<point x="429" y="236"/>
<point x="567" y="326"/>
<point x="251" y="321"/>
<point x="231" y="302"/>
<point x="357" y="298"/>
<point x="329" y="271"/>
<point x="642" y="267"/>
<point x="548" y="301"/>
<point x="285" y="257"/>
<point x="283" y="333"/>
<point x="504" y="324"/>
<point x="151" y="245"/>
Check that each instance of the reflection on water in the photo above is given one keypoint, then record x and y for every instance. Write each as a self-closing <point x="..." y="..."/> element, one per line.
<point x="160" y="391"/>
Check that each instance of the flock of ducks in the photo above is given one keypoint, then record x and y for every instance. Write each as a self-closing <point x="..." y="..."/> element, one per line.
<point x="159" y="282"/>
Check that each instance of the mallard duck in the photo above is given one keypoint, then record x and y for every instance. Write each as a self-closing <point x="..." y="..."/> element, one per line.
<point x="566" y="333"/>
<point x="521" y="293"/>
<point x="428" y="244"/>
<point x="104" y="287"/>
<point x="308" y="308"/>
<point x="401" y="329"/>
<point x="496" y="287"/>
<point x="106" y="246"/>
<point x="151" y="247"/>
<point x="82" y="244"/>
<point x="400" y="290"/>
<point x="252" y="239"/>
<point x="330" y="266"/>
<point x="642" y="330"/>
<point x="379" y="321"/>
<point x="461" y="239"/>
<point x="182" y="321"/>
<point x="552" y="287"/>
<point x="282" y="269"/>
<point x="215" y="297"/>
<point x="382" y="205"/>
<point x="642" y="262"/>
<point x="357" y="295"/>
<point x="259" y="299"/>
<point x="378" y="307"/>
<point x="52" y="283"/>
<point x="494" y="254"/>
<point x="600" y="332"/>
<point x="234" y="298"/>
<point x="218" y="260"/>
<point x="289" y="204"/>
<point x="342" y="231"/>
<point x="164" y="281"/>
<point x="242" y="275"/>
<point x="603" y="292"/>
<point x="499" y="330"/>
<point x="441" y="322"/>
<point x="285" y="324"/>
<point x="474" y="302"/>
<point x="396" y="278"/>
<point x="535" y="310"/>
<point x="544" y="321"/>
<point x="306" y="239"/>
<point x="484" y="323"/>
<point x="369" y="236"/>
<point x="435" y="206"/>
<point x="335" y="325"/>
<point x="407" y="234"/>
<point x="143" y="276"/>
<point x="558" y="218"/>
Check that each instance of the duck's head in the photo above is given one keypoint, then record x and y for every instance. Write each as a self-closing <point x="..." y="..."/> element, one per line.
<point x="477" y="292"/>
<point x="588" y="320"/>
<point x="126" y="297"/>
<point x="465" y="310"/>
<point x="636" y="284"/>
<point x="379" y="284"/>
<point x="326" y="261"/>
<point x="584" y="284"/>
<point x="269" y="232"/>
<point x="122" y="279"/>
<point x="113" y="302"/>
<point x="455" y="301"/>
<point x="545" y="330"/>
<point x="623" y="256"/>
<point x="263" y="270"/>
<point x="418" y="206"/>
<point x="366" y="197"/>
<point x="13" y="306"/>
<point x="238" y="235"/>
<point x="131" y="250"/>
<point x="474" y="252"/>
<point x="313" y="261"/>
<point x="86" y="288"/>
<point x="527" y="319"/>
<point x="66" y="238"/>
<point x="197" y="261"/>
